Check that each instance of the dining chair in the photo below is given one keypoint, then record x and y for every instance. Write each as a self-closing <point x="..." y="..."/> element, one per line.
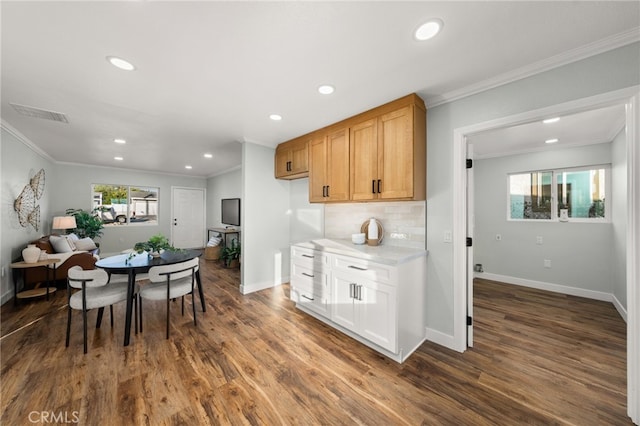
<point x="95" y="291"/>
<point x="170" y="282"/>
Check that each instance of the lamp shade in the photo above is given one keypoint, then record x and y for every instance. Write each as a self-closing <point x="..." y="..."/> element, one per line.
<point x="64" y="222"/>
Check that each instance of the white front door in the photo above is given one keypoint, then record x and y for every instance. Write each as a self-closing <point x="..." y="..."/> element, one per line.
<point x="187" y="217"/>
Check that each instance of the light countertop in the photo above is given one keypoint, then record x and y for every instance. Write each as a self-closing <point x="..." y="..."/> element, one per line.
<point x="384" y="253"/>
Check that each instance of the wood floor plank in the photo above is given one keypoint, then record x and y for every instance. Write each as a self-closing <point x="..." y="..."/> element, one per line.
<point x="539" y="358"/>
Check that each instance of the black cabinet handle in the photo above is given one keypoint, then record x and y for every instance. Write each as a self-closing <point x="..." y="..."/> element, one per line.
<point x="308" y="298"/>
<point x="378" y="186"/>
<point x="373" y="186"/>
<point x="328" y="191"/>
<point x="307" y="275"/>
<point x="307" y="255"/>
<point x="356" y="267"/>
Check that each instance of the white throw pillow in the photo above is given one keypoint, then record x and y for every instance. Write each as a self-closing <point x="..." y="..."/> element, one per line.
<point x="60" y="244"/>
<point x="86" y="244"/>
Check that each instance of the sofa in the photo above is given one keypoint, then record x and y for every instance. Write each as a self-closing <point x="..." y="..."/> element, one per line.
<point x="70" y="255"/>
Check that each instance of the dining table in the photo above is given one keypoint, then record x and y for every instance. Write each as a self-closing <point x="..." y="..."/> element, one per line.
<point x="139" y="263"/>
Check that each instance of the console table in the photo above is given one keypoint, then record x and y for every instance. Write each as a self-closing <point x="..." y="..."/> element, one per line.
<point x="223" y="232"/>
<point x="38" y="291"/>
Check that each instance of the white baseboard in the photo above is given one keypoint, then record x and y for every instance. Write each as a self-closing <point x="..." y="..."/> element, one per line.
<point x="251" y="288"/>
<point x="540" y="285"/>
<point x="441" y="339"/>
<point x="6" y="297"/>
<point x="621" y="310"/>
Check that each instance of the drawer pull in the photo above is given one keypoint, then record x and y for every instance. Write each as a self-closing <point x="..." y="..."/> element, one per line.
<point x="308" y="298"/>
<point x="357" y="267"/>
<point x="308" y="255"/>
<point x="307" y="275"/>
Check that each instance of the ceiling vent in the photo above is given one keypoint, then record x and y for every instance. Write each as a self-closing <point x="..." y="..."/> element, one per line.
<point x="39" y="113"/>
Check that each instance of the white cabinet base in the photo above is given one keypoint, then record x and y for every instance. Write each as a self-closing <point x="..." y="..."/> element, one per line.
<point x="400" y="357"/>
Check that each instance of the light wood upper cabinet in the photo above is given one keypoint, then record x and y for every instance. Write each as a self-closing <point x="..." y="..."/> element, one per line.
<point x="292" y="159"/>
<point x="388" y="156"/>
<point x="329" y="167"/>
<point x="380" y="154"/>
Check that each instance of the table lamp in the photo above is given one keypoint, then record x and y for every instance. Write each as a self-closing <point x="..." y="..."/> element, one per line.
<point x="64" y="223"/>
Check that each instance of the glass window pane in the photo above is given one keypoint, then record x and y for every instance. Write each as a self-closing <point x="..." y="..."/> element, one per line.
<point x="143" y="205"/>
<point x="582" y="193"/>
<point x="119" y="205"/>
<point x="530" y="195"/>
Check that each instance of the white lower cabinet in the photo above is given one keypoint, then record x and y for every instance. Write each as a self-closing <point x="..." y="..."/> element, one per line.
<point x="378" y="304"/>
<point x="365" y="307"/>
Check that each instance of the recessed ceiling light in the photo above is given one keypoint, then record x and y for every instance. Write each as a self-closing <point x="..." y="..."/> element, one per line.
<point x="120" y="63"/>
<point x="326" y="89"/>
<point x="118" y="158"/>
<point x="207" y="155"/>
<point x="554" y="140"/>
<point x="188" y="167"/>
<point x="275" y="117"/>
<point x="120" y="141"/>
<point x="429" y="29"/>
<point x="551" y="120"/>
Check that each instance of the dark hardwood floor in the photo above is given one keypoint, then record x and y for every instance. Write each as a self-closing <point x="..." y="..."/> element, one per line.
<point x="539" y="358"/>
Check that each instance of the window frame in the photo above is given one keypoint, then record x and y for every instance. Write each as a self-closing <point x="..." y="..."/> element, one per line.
<point x="129" y="188"/>
<point x="554" y="194"/>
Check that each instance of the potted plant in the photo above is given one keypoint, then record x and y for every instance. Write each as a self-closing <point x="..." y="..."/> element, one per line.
<point x="87" y="223"/>
<point x="154" y="245"/>
<point x="230" y="255"/>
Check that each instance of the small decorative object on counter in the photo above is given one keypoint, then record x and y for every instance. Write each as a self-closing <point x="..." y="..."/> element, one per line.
<point x="358" y="238"/>
<point x="372" y="232"/>
<point x="31" y="254"/>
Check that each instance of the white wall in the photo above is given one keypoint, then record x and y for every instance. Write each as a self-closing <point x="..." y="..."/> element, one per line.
<point x="73" y="190"/>
<point x="306" y="219"/>
<point x="619" y="218"/>
<point x="602" y="73"/>
<point x="580" y="253"/>
<point x="225" y="185"/>
<point x="18" y="164"/>
<point x="265" y="218"/>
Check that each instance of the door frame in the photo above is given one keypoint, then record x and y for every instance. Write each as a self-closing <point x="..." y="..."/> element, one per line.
<point x="630" y="97"/>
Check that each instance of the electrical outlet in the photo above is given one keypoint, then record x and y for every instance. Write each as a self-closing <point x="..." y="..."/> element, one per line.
<point x="547" y="263"/>
<point x="498" y="237"/>
<point x="539" y="240"/>
<point x="447" y="237"/>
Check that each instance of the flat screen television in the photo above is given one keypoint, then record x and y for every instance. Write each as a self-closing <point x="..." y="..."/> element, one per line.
<point x="231" y="211"/>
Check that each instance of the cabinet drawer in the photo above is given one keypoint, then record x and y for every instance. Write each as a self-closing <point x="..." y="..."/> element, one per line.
<point x="310" y="289"/>
<point x="310" y="258"/>
<point x="364" y="269"/>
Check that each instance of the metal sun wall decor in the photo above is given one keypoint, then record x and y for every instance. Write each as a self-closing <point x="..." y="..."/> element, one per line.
<point x="25" y="205"/>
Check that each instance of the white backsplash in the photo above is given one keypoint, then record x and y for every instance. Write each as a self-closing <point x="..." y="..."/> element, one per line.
<point x="403" y="221"/>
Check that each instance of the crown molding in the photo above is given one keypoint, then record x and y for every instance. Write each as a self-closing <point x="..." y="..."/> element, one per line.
<point x="604" y="45"/>
<point x="25" y="140"/>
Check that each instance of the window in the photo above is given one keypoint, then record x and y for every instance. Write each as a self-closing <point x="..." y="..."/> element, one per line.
<point x="565" y="195"/>
<point x="125" y="205"/>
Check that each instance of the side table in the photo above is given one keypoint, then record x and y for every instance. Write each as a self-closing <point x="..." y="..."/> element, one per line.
<point x="36" y="292"/>
<point x="223" y="233"/>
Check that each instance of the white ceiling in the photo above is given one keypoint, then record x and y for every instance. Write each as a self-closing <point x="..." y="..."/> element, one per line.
<point x="210" y="73"/>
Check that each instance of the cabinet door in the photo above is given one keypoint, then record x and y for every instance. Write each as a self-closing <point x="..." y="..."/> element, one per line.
<point x="338" y="166"/>
<point x="364" y="160"/>
<point x="317" y="170"/>
<point x="342" y="301"/>
<point x="376" y="310"/>
<point x="395" y="154"/>
<point x="299" y="157"/>
<point x="283" y="156"/>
